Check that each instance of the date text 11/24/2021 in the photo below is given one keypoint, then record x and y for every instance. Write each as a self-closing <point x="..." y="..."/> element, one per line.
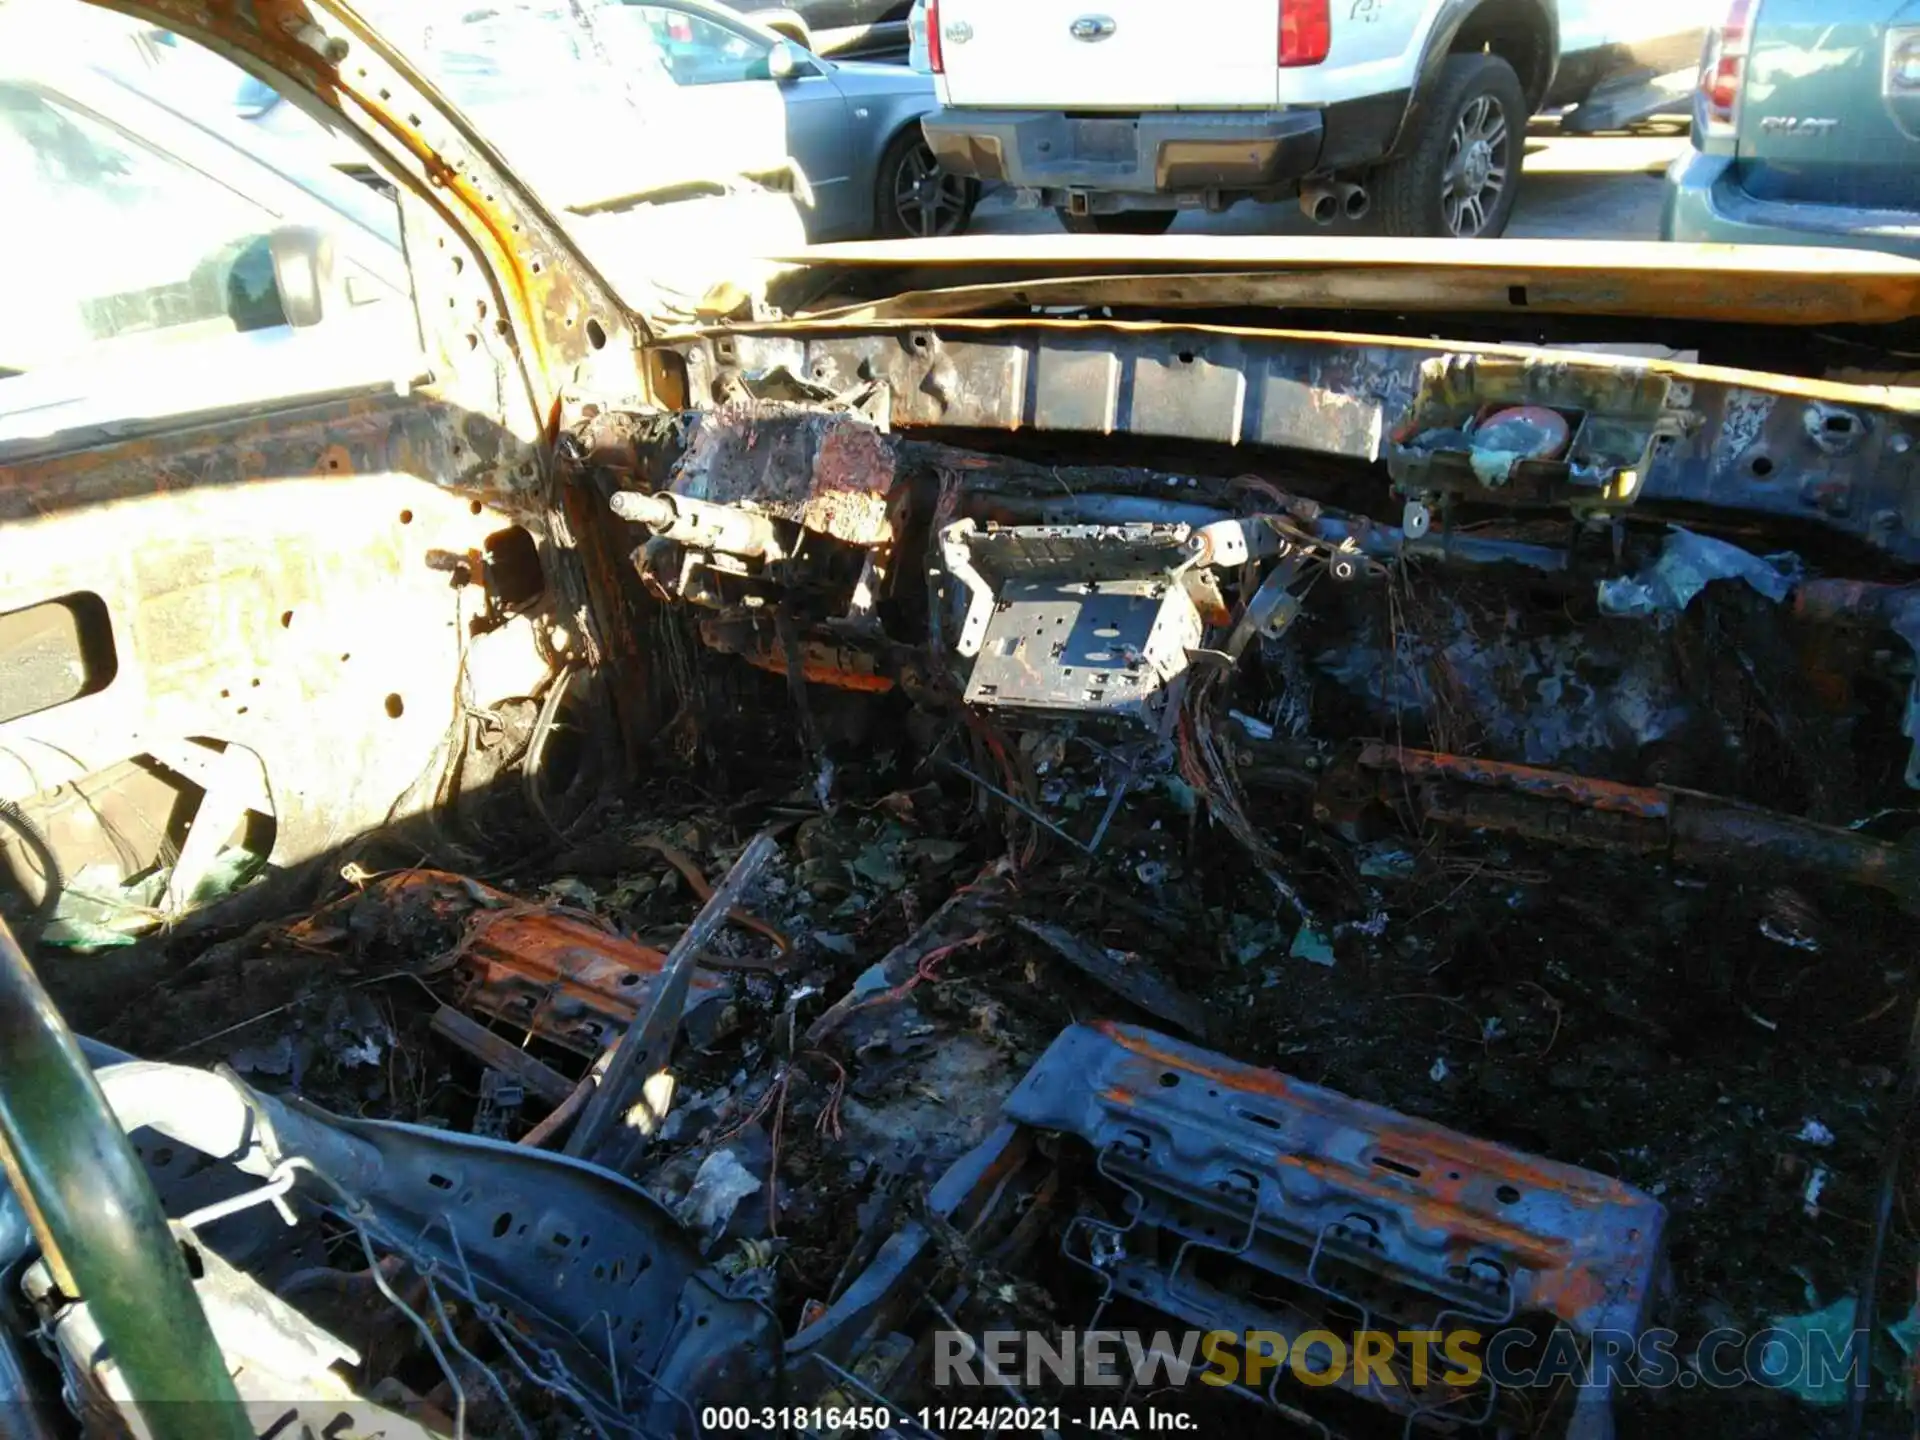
<point x="943" y="1419"/>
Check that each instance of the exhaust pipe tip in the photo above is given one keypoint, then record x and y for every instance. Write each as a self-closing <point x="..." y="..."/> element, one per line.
<point x="1354" y="201"/>
<point x="1319" y="204"/>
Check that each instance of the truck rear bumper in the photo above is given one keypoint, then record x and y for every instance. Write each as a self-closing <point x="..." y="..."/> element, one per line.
<point x="1192" y="151"/>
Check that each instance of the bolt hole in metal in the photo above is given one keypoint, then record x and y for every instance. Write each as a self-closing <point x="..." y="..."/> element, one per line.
<point x="1475" y="174"/>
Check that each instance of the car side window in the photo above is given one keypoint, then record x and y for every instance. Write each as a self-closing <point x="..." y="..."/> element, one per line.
<point x="169" y="259"/>
<point x="697" y="51"/>
<point x="84" y="192"/>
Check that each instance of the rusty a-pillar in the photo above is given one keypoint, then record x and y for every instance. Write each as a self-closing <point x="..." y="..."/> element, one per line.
<point x="563" y="316"/>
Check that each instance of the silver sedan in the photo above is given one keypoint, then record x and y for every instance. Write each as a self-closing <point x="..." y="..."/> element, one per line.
<point x="598" y="104"/>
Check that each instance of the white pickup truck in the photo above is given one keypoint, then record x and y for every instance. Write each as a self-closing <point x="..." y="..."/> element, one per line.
<point x="1121" y="113"/>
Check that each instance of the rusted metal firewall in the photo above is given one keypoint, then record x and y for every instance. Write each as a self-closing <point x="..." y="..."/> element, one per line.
<point x="1685" y="434"/>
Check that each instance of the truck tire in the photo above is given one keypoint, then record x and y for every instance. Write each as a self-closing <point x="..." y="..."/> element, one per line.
<point x="1460" y="172"/>
<point x="1121" y="222"/>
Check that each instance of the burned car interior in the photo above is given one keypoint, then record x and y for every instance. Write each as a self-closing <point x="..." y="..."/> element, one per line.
<point x="645" y="881"/>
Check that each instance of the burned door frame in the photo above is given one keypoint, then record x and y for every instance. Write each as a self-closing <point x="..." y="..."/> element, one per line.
<point x="298" y="597"/>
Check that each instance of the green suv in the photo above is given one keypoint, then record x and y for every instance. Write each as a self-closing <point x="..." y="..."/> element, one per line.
<point x="1806" y="131"/>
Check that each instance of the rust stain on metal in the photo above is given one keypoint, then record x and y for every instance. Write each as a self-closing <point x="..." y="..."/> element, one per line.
<point x="1245" y="1078"/>
<point x="1463" y="1183"/>
<point x="818" y="670"/>
<point x="852" y="478"/>
<point x="562" y="976"/>
<point x="822" y="663"/>
<point x="1842" y="300"/>
<point x="1446" y="1149"/>
<point x="1617" y="277"/>
<point x="1581" y="790"/>
<point x="1409" y="350"/>
<point x="830" y="473"/>
<point x="620" y="613"/>
<point x="357" y="437"/>
<point x="1865" y="601"/>
<point x="1475" y="1226"/>
<point x="1684" y="825"/>
<point x="550" y="970"/>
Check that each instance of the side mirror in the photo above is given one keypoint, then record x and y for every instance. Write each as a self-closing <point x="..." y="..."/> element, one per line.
<point x="303" y="273"/>
<point x="785" y="60"/>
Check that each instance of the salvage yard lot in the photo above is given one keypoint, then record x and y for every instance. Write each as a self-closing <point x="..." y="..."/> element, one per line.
<point x="1575" y="188"/>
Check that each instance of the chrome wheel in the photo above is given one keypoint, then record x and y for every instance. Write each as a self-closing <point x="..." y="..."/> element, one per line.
<point x="1476" y="167"/>
<point x="928" y="198"/>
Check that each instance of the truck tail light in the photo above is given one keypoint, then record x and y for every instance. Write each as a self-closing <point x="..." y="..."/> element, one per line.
<point x="1306" y="32"/>
<point x="1723" y="70"/>
<point x="1901" y="74"/>
<point x="936" y="54"/>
